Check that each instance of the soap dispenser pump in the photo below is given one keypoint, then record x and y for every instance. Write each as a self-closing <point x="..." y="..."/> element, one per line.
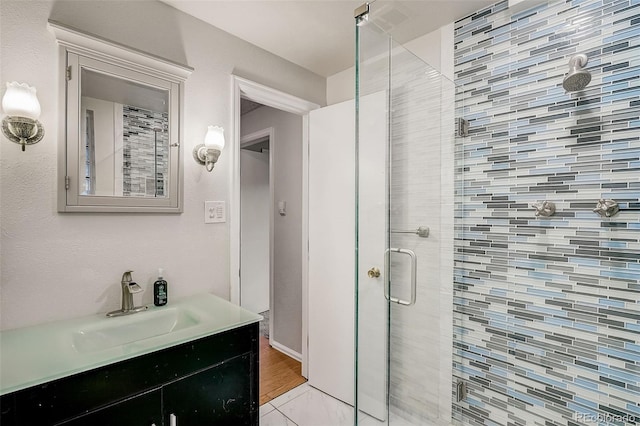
<point x="160" y="290"/>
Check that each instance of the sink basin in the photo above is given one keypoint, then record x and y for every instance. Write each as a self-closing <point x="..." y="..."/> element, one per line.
<point x="128" y="329"/>
<point x="41" y="353"/>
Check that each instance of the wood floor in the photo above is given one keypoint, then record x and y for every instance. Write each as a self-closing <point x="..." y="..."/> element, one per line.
<point x="278" y="372"/>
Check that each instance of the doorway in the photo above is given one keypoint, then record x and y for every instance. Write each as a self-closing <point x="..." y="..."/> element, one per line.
<point x="279" y="373"/>
<point x="267" y="243"/>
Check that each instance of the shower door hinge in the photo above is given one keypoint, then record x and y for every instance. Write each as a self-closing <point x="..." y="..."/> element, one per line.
<point x="69" y="73"/>
<point x="462" y="127"/>
<point x="461" y="390"/>
<point x="361" y="10"/>
<point x="67" y="182"/>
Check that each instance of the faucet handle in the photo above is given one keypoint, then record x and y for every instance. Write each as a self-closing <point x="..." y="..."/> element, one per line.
<point x="126" y="277"/>
<point x="606" y="208"/>
<point x="544" y="208"/>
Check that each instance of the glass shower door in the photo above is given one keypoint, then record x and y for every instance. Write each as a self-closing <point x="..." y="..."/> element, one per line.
<point x="404" y="149"/>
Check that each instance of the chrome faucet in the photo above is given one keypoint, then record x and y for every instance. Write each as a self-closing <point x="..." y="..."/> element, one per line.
<point x="129" y="288"/>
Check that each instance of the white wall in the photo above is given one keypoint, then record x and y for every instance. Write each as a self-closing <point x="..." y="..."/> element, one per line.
<point x="286" y="308"/>
<point x="56" y="266"/>
<point x="435" y="48"/>
<point x="255" y="203"/>
<point x="341" y="86"/>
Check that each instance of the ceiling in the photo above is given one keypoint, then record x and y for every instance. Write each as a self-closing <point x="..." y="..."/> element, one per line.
<point x="319" y="34"/>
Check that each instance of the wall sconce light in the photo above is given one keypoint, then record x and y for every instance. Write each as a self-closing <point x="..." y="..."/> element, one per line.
<point x="207" y="153"/>
<point x="22" y="108"/>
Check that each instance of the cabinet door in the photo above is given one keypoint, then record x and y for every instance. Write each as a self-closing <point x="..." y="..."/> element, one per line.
<point x="141" y="410"/>
<point x="219" y="395"/>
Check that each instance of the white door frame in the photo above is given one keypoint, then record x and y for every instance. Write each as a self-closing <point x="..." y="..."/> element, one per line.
<point x="243" y="88"/>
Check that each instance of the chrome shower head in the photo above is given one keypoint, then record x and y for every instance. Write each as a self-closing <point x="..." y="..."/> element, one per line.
<point x="578" y="77"/>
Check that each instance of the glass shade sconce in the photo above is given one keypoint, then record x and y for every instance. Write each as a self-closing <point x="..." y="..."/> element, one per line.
<point x="207" y="153"/>
<point x="22" y="109"/>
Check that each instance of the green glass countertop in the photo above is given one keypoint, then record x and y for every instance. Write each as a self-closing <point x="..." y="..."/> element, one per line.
<point x="34" y="355"/>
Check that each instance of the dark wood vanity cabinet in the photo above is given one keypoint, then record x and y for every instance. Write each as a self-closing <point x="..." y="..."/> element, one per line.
<point x="210" y="381"/>
<point x="139" y="410"/>
<point x="217" y="395"/>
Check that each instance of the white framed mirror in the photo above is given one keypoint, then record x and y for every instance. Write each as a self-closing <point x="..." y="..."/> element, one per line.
<point x="120" y="147"/>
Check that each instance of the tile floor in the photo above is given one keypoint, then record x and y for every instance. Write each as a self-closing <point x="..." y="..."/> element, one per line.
<point x="307" y="406"/>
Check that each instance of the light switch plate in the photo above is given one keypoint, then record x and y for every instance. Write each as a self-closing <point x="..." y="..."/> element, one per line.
<point x="215" y="212"/>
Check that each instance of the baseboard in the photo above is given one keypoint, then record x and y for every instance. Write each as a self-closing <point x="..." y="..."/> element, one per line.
<point x="285" y="350"/>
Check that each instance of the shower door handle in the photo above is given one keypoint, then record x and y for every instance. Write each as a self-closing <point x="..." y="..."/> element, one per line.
<point x="387" y="282"/>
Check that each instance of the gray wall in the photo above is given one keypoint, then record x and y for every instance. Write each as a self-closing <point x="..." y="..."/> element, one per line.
<point x="286" y="312"/>
<point x="255" y="204"/>
<point x="84" y="255"/>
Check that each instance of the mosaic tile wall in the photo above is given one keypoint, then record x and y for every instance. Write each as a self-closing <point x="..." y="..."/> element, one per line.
<point x="547" y="310"/>
<point x="145" y="152"/>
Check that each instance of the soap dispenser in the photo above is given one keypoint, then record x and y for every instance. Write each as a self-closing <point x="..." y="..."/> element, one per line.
<point x="160" y="290"/>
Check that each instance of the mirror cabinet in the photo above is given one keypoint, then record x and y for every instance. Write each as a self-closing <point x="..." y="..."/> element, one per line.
<point x="120" y="139"/>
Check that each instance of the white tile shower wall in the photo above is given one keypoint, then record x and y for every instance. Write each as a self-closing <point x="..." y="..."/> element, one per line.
<point x="416" y="135"/>
<point x="415" y="184"/>
<point x="546" y="310"/>
<point x="447" y="155"/>
<point x="420" y="356"/>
